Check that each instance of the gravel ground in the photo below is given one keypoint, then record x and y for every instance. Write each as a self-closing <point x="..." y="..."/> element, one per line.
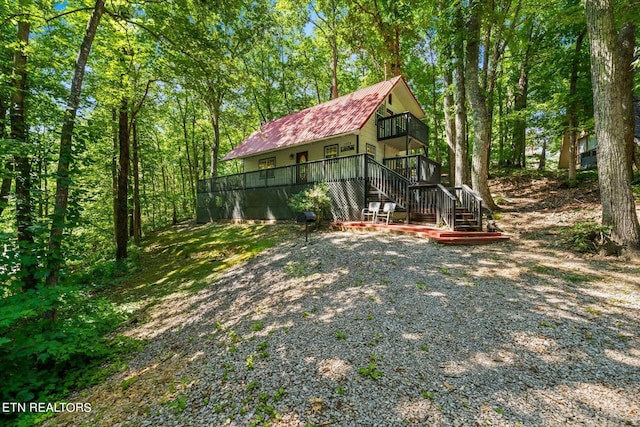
<point x="381" y="330"/>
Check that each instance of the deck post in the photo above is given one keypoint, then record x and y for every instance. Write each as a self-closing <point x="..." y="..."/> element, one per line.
<point x="366" y="178"/>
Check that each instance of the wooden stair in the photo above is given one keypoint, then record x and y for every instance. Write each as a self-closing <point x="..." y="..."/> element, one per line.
<point x="465" y="220"/>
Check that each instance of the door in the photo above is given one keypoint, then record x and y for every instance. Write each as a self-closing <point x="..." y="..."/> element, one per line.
<point x="301" y="159"/>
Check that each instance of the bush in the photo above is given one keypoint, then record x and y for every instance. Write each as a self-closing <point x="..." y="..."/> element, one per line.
<point x="315" y="199"/>
<point x="588" y="236"/>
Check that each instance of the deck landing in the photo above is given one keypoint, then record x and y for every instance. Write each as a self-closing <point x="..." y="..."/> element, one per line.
<point x="445" y="237"/>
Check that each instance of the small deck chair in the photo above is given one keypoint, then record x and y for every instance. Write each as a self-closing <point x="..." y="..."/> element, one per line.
<point x="387" y="211"/>
<point x="371" y="211"/>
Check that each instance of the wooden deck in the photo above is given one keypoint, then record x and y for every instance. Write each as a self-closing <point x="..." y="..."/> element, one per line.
<point x="445" y="237"/>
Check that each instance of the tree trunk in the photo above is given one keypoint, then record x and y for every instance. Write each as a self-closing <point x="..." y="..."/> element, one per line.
<point x="572" y="110"/>
<point x="461" y="149"/>
<point x="480" y="159"/>
<point x="137" y="211"/>
<point x="5" y="188"/>
<point x="609" y="68"/>
<point x="450" y="123"/>
<point x="543" y="156"/>
<point x="214" y="112"/>
<point x="24" y="214"/>
<point x="520" y="107"/>
<point x="55" y="258"/>
<point x="334" y="67"/>
<point x="121" y="216"/>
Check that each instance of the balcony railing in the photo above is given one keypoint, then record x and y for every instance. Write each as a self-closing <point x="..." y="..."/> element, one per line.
<point x="403" y="124"/>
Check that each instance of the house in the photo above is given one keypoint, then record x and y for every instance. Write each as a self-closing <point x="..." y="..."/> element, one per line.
<point x="368" y="145"/>
<point x="588" y="146"/>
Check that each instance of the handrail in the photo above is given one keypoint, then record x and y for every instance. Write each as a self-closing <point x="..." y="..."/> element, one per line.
<point x="446" y="211"/>
<point x="328" y="170"/>
<point x="472" y="202"/>
<point x="436" y="200"/>
<point x="392" y="184"/>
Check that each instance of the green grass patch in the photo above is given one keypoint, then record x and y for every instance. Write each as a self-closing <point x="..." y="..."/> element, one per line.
<point x="48" y="360"/>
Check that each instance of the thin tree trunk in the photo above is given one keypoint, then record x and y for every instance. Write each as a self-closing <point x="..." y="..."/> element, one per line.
<point x="334" y="67"/>
<point x="137" y="211"/>
<point x="164" y="190"/>
<point x="461" y="149"/>
<point x="5" y="188"/>
<point x="609" y="68"/>
<point x="450" y="123"/>
<point x="214" y="113"/>
<point x="114" y="169"/>
<point x="122" y="235"/>
<point x="55" y="258"/>
<point x="520" y="107"/>
<point x="572" y="110"/>
<point x="477" y="100"/>
<point x="185" y="136"/>
<point x="24" y="214"/>
<point x="543" y="156"/>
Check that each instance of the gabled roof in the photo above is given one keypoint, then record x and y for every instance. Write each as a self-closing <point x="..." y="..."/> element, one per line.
<point x="344" y="115"/>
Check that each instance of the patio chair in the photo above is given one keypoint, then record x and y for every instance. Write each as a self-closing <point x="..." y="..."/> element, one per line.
<point x="371" y="211"/>
<point x="387" y="211"/>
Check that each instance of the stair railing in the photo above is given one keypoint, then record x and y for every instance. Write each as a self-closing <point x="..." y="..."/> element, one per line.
<point x="472" y="202"/>
<point x="446" y="207"/>
<point x="436" y="200"/>
<point x="390" y="183"/>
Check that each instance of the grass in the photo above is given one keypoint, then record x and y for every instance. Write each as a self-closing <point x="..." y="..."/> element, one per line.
<point x="177" y="260"/>
<point x="187" y="259"/>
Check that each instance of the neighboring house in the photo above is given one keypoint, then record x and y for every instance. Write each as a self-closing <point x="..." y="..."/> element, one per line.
<point x="367" y="145"/>
<point x="588" y="146"/>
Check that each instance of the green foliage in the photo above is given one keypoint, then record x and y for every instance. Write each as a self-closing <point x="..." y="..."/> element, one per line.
<point x="588" y="236"/>
<point x="43" y="358"/>
<point x="315" y="199"/>
<point x="371" y="371"/>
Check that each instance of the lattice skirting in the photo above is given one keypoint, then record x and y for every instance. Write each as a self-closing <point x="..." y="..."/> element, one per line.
<point x="271" y="203"/>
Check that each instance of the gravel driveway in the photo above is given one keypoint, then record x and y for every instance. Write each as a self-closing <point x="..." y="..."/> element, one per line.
<point x="374" y="329"/>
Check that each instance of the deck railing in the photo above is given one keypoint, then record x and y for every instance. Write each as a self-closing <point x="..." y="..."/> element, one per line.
<point x="415" y="168"/>
<point x="327" y="170"/>
<point x="403" y="124"/>
<point x="426" y="198"/>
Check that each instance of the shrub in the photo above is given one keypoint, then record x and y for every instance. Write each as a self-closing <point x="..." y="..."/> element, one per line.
<point x="588" y="236"/>
<point x="315" y="199"/>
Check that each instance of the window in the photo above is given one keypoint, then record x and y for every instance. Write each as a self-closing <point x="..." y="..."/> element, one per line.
<point x="380" y="112"/>
<point x="331" y="151"/>
<point x="371" y="150"/>
<point x="265" y="164"/>
<point x="390" y="100"/>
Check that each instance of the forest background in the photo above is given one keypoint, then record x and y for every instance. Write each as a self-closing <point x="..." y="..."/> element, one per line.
<point x="111" y="111"/>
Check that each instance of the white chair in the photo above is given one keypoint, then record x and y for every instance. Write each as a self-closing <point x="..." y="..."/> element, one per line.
<point x="371" y="211"/>
<point x="388" y="210"/>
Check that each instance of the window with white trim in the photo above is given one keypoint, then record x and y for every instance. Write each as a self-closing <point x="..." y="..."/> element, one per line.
<point x="264" y="165"/>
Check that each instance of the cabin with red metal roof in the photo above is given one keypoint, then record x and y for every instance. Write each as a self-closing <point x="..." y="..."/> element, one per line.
<point x="369" y="145"/>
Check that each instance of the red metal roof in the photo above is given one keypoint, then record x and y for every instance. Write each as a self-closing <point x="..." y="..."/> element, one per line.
<point x="343" y="115"/>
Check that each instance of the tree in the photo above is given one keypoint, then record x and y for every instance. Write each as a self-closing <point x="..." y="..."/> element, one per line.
<point x="55" y="257"/>
<point x="24" y="215"/>
<point x="477" y="100"/>
<point x="611" y="58"/>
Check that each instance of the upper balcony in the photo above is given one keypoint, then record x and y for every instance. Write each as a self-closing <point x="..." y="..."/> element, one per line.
<point x="403" y="125"/>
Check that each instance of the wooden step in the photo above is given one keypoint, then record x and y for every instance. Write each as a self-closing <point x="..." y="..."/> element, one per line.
<point x="445" y="237"/>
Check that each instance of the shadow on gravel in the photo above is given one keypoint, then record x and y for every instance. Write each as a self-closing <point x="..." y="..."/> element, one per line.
<point x="364" y="329"/>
